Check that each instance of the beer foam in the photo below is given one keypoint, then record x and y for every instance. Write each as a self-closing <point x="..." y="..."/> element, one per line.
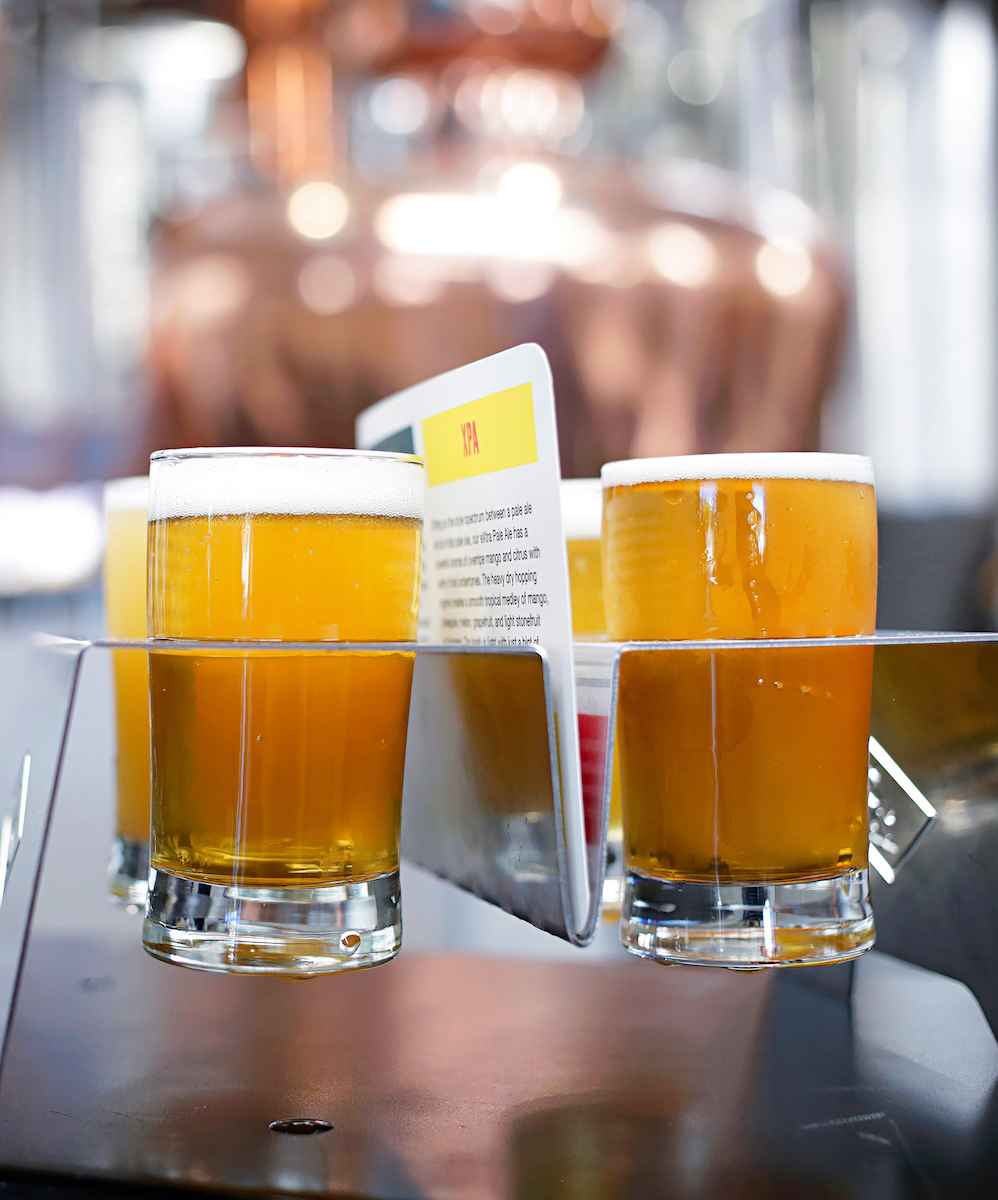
<point x="581" y="508"/>
<point x="844" y="468"/>
<point x="126" y="495"/>
<point x="297" y="482"/>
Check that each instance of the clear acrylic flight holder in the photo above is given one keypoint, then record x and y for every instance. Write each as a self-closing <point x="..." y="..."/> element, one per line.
<point x="482" y="799"/>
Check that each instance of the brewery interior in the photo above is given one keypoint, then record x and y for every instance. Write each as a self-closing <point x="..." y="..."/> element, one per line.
<point x="732" y="225"/>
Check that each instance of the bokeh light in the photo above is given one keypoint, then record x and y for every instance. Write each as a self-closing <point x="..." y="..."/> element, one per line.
<point x="696" y="77"/>
<point x="682" y="255"/>
<point x="399" y="105"/>
<point x="784" y="268"/>
<point x="530" y="185"/>
<point x="318" y="210"/>
<point x="520" y="282"/>
<point x="327" y="285"/>
<point x="203" y="292"/>
<point x="403" y="281"/>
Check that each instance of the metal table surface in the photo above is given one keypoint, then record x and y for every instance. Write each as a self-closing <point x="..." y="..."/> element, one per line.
<point x="455" y="1076"/>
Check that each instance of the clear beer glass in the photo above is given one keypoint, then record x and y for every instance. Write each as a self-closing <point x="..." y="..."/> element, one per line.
<point x="277" y="776"/>
<point x="126" y="518"/>
<point x="743" y="771"/>
<point x="582" y="516"/>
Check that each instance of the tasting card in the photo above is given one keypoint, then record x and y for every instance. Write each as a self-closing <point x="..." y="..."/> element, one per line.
<point x="495" y="571"/>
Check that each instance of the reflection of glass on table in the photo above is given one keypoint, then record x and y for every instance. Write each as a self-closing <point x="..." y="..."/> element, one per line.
<point x="126" y="514"/>
<point x="582" y="514"/>
<point x="744" y="771"/>
<point x="277" y="777"/>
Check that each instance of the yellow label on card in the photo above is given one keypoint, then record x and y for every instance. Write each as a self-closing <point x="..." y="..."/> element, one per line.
<point x="482" y="436"/>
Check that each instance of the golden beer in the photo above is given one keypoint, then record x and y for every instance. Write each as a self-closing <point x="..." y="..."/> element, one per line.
<point x="743" y="767"/>
<point x="581" y="506"/>
<point x="312" y="746"/>
<point x="126" y="504"/>
<point x="585" y="580"/>
<point x="276" y="770"/>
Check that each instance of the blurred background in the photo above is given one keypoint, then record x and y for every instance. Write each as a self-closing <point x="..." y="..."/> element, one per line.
<point x="732" y="225"/>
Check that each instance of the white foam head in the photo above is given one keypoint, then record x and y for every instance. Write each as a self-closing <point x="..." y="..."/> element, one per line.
<point x="581" y="508"/>
<point x="846" y="468"/>
<point x="126" y="495"/>
<point x="234" y="480"/>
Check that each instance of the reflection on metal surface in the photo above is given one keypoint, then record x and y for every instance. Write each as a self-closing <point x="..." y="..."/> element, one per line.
<point x="899" y="813"/>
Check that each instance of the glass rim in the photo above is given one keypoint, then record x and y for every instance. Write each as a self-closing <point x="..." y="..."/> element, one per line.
<point x="282" y="452"/>
<point x="818" y="465"/>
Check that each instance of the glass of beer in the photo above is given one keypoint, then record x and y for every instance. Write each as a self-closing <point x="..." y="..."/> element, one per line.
<point x="277" y="774"/>
<point x="126" y="514"/>
<point x="582" y="516"/>
<point x="743" y="770"/>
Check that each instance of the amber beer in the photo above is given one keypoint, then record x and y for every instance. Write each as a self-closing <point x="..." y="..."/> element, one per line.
<point x="126" y="507"/>
<point x="743" y="769"/>
<point x="279" y="774"/>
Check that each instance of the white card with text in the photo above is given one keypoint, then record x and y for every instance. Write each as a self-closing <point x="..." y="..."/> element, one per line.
<point x="495" y="571"/>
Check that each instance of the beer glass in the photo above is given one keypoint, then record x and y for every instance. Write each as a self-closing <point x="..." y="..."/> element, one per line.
<point x="582" y="516"/>
<point x="277" y="775"/>
<point x="126" y="504"/>
<point x="744" y="771"/>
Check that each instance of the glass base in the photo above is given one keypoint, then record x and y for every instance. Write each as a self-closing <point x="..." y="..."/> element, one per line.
<point x="128" y="873"/>
<point x="299" y="932"/>
<point x="748" y="927"/>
